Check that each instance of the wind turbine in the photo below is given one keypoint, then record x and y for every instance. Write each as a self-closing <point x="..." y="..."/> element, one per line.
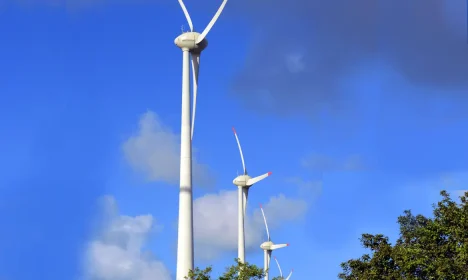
<point x="281" y="272"/>
<point x="268" y="247"/>
<point x="243" y="182"/>
<point x="192" y="43"/>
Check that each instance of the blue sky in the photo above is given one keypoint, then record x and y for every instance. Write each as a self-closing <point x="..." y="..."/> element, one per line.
<point x="90" y="116"/>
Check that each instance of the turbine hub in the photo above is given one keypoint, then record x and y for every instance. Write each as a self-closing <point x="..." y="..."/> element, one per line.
<point x="241" y="181"/>
<point x="187" y="41"/>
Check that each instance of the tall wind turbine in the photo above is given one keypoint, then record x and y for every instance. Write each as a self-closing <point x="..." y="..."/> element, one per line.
<point x="192" y="43"/>
<point x="268" y="247"/>
<point x="281" y="272"/>
<point x="243" y="182"/>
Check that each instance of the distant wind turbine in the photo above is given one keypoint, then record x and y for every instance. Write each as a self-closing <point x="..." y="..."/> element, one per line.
<point x="192" y="43"/>
<point x="268" y="247"/>
<point x="243" y="182"/>
<point x="281" y="272"/>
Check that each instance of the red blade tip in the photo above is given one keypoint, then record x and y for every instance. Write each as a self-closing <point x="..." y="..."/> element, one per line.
<point x="269" y="173"/>
<point x="234" y="130"/>
<point x="260" y="205"/>
<point x="287" y="244"/>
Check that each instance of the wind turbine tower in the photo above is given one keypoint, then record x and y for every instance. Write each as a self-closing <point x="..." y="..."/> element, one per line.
<point x="268" y="247"/>
<point x="243" y="182"/>
<point x="192" y="44"/>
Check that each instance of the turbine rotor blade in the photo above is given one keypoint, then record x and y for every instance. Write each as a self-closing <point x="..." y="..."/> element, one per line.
<point x="246" y="196"/>
<point x="254" y="180"/>
<point x="266" y="225"/>
<point x="187" y="16"/>
<point x="212" y="22"/>
<point x="195" y="69"/>
<point x="240" y="150"/>
<point x="289" y="276"/>
<point x="269" y="259"/>
<point x="278" y="246"/>
<point x="279" y="267"/>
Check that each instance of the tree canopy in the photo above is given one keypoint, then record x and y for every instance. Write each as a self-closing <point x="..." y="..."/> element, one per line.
<point x="427" y="248"/>
<point x="238" y="271"/>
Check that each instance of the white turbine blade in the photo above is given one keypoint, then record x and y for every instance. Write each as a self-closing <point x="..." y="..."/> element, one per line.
<point x="290" y="273"/>
<point x="195" y="69"/>
<point x="278" y="246"/>
<point x="240" y="150"/>
<point x="279" y="267"/>
<point x="246" y="196"/>
<point x="252" y="181"/>
<point x="212" y="22"/>
<point x="269" y="259"/>
<point x="266" y="226"/>
<point x="187" y="16"/>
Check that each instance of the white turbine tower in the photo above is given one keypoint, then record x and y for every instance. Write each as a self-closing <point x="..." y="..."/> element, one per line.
<point x="268" y="247"/>
<point x="281" y="272"/>
<point x="192" y="43"/>
<point x="243" y="182"/>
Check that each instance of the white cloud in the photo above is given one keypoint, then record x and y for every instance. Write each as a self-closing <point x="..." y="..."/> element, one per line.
<point x="327" y="164"/>
<point x="155" y="151"/>
<point x="117" y="252"/>
<point x="215" y="222"/>
<point x="295" y="62"/>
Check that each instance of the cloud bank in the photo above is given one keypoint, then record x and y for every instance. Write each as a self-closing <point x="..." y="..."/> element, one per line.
<point x="304" y="51"/>
<point x="215" y="222"/>
<point x="154" y="150"/>
<point x="118" y="252"/>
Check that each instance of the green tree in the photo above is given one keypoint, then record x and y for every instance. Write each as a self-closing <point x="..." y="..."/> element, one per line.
<point x="238" y="271"/>
<point x="427" y="248"/>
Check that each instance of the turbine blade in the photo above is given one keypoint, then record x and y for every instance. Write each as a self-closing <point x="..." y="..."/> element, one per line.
<point x="269" y="259"/>
<point x="278" y="246"/>
<point x="195" y="69"/>
<point x="289" y="276"/>
<point x="246" y="196"/>
<point x="240" y="150"/>
<point x="264" y="219"/>
<point x="187" y="16"/>
<point x="279" y="267"/>
<point x="252" y="181"/>
<point x="212" y="22"/>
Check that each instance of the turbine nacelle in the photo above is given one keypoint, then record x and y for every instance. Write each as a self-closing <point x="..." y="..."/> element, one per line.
<point x="188" y="41"/>
<point x="270" y="246"/>
<point x="266" y="245"/>
<point x="241" y="181"/>
<point x="245" y="181"/>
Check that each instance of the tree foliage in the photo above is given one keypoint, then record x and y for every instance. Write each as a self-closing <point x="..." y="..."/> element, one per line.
<point x="239" y="271"/>
<point x="427" y="248"/>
